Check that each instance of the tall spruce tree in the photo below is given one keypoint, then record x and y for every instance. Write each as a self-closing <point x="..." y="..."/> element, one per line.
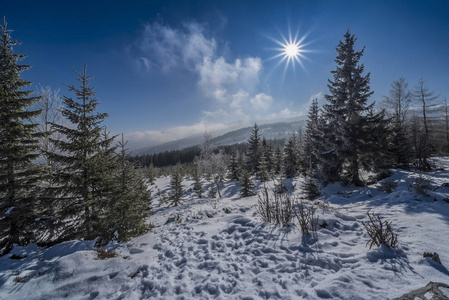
<point x="84" y="181"/>
<point x="234" y="167"/>
<point x="254" y="150"/>
<point x="291" y="157"/>
<point x="19" y="147"/>
<point x="347" y="128"/>
<point x="312" y="139"/>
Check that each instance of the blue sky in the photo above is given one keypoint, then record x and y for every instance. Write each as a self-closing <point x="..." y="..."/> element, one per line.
<point x="167" y="69"/>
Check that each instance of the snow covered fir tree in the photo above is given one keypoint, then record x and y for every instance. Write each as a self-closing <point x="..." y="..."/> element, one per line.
<point x="316" y="207"/>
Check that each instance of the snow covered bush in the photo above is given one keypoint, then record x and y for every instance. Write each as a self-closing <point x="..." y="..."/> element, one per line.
<point x="379" y="232"/>
<point x="387" y="186"/>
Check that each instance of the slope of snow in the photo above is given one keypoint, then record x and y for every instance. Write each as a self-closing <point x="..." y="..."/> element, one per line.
<point x="220" y="249"/>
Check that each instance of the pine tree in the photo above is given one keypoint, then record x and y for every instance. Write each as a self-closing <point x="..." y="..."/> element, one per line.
<point x="197" y="184"/>
<point x="312" y="139"/>
<point x="131" y="200"/>
<point x="278" y="161"/>
<point x="254" y="150"/>
<point x="347" y="122"/>
<point x="151" y="174"/>
<point x="246" y="184"/>
<point x="176" y="186"/>
<point x="291" y="157"/>
<point x="19" y="147"/>
<point x="233" y="167"/>
<point x="84" y="156"/>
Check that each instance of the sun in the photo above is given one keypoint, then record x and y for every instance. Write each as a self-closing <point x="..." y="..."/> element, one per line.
<point x="291" y="50"/>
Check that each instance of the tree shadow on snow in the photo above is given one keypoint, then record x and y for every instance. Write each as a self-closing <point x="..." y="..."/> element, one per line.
<point x="391" y="259"/>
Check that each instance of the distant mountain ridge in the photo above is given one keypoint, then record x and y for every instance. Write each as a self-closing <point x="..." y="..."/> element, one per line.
<point x="273" y="131"/>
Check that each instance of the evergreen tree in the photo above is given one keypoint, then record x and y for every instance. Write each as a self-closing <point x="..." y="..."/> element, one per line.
<point x="151" y="174"/>
<point x="131" y="200"/>
<point x="246" y="184"/>
<point x="19" y="147"/>
<point x="176" y="186"/>
<point x="254" y="150"/>
<point x="233" y="167"/>
<point x="84" y="179"/>
<point x="278" y="161"/>
<point x="291" y="157"/>
<point x="312" y="139"/>
<point x="347" y="123"/>
<point x="197" y="184"/>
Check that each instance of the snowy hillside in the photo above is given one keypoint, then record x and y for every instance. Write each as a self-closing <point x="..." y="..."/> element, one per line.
<point x="279" y="130"/>
<point x="220" y="249"/>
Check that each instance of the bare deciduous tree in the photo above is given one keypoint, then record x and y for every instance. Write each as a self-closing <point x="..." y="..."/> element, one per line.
<point x="50" y="104"/>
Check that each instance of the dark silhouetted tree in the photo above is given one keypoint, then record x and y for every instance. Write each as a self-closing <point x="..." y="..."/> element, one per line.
<point x="19" y="148"/>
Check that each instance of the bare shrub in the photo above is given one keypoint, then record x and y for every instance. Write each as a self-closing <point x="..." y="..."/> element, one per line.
<point x="21" y="279"/>
<point x="275" y="208"/>
<point x="422" y="185"/>
<point x="105" y="253"/>
<point x="379" y="232"/>
<point x="307" y="220"/>
<point x="387" y="186"/>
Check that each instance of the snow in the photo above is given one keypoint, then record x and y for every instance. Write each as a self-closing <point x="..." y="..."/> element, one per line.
<point x="220" y="249"/>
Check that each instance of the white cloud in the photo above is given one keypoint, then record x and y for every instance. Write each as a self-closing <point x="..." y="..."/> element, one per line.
<point x="261" y="101"/>
<point x="228" y="78"/>
<point x="164" y="48"/>
<point x="229" y="84"/>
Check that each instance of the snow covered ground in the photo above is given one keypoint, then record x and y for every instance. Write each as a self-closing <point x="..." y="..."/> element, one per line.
<point x="220" y="249"/>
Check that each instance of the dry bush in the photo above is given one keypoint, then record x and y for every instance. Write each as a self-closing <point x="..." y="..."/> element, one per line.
<point x="422" y="185"/>
<point x="105" y="253"/>
<point x="21" y="279"/>
<point x="307" y="220"/>
<point x="387" y="186"/>
<point x="380" y="232"/>
<point x="275" y="208"/>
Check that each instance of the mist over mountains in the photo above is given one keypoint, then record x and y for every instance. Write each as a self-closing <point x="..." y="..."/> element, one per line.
<point x="271" y="131"/>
